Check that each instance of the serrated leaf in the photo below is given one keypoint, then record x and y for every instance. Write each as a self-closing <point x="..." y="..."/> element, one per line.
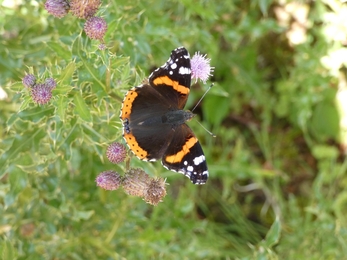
<point x="81" y="108"/>
<point x="94" y="135"/>
<point x="61" y="108"/>
<point x="17" y="179"/>
<point x="90" y="70"/>
<point x="67" y="73"/>
<point x="21" y="144"/>
<point x="62" y="90"/>
<point x="60" y="49"/>
<point x="17" y="86"/>
<point x="27" y="100"/>
<point x="35" y="114"/>
<point x="59" y="129"/>
<point x="13" y="119"/>
<point x="70" y="136"/>
<point x="95" y="74"/>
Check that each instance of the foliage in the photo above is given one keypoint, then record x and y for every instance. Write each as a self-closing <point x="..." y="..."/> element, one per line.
<point x="277" y="167"/>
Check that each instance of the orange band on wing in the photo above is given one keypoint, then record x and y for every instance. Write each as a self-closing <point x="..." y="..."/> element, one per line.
<point x="178" y="157"/>
<point x="134" y="146"/>
<point x="128" y="103"/>
<point x="167" y="81"/>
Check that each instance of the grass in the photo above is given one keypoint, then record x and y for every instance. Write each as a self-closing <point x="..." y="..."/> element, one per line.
<point x="277" y="167"/>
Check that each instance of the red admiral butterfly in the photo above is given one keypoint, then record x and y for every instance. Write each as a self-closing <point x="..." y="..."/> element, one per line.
<point x="154" y="123"/>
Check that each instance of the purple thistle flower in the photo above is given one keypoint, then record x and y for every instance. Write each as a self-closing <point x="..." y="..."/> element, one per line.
<point x="116" y="152"/>
<point x="51" y="83"/>
<point x="109" y="180"/>
<point x="57" y="8"/>
<point x="201" y="68"/>
<point x="95" y="28"/>
<point x="29" y="80"/>
<point x="41" y="94"/>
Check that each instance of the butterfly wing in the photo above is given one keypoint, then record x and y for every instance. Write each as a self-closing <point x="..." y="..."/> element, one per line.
<point x="185" y="155"/>
<point x="143" y="130"/>
<point x="172" y="80"/>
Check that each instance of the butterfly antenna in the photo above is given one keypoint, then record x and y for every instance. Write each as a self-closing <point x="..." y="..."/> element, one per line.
<point x="203" y="97"/>
<point x="212" y="134"/>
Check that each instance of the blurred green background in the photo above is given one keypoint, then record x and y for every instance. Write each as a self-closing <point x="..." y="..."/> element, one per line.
<point x="278" y="168"/>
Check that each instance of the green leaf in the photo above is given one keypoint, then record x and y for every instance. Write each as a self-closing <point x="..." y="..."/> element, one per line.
<point x="21" y="144"/>
<point x="273" y="235"/>
<point x="83" y="215"/>
<point x="7" y="251"/>
<point x="66" y="74"/>
<point x="17" y="179"/>
<point x="325" y="152"/>
<point x="17" y="86"/>
<point x="325" y="121"/>
<point x="60" y="49"/>
<point x="71" y="135"/>
<point x="81" y="108"/>
<point x="264" y="5"/>
<point x="35" y="114"/>
<point x="62" y="104"/>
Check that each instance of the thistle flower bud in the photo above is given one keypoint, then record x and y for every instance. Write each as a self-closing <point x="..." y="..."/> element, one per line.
<point x="84" y="9"/>
<point x="109" y="180"/>
<point x="57" y="8"/>
<point x="136" y="182"/>
<point x="116" y="152"/>
<point x="29" y="80"/>
<point x="156" y="191"/>
<point x="51" y="83"/>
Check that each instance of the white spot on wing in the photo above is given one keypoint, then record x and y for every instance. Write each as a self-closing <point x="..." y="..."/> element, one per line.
<point x="198" y="160"/>
<point x="184" y="70"/>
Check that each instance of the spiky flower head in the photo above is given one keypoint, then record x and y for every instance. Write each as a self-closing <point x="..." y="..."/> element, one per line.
<point x="136" y="182"/>
<point x="201" y="68"/>
<point x="95" y="28"/>
<point x="156" y="191"/>
<point x="29" y="80"/>
<point x="102" y="46"/>
<point x="57" y="8"/>
<point x="116" y="152"/>
<point x="51" y="83"/>
<point x="41" y="94"/>
<point x="109" y="180"/>
<point x="84" y="9"/>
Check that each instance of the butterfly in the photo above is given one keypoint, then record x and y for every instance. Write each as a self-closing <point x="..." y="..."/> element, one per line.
<point x="154" y="122"/>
